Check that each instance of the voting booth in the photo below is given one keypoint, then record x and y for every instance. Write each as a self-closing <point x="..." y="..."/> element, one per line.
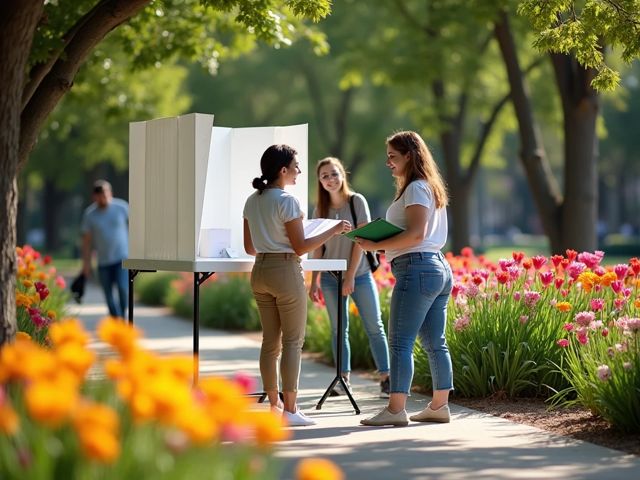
<point x="189" y="180"/>
<point x="188" y="183"/>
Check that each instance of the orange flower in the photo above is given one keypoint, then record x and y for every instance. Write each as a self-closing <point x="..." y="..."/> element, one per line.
<point x="23" y="300"/>
<point x="318" y="469"/>
<point x="22" y="337"/>
<point x="268" y="427"/>
<point x="608" y="278"/>
<point x="9" y="421"/>
<point x="637" y="302"/>
<point x="69" y="330"/>
<point x="76" y="358"/>
<point x="100" y="445"/>
<point x="27" y="283"/>
<point x="51" y="402"/>
<point x="563" y="306"/>
<point x="119" y="335"/>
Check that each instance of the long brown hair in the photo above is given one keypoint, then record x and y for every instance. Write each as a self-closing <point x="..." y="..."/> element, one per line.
<point x="323" y="198"/>
<point x="420" y="165"/>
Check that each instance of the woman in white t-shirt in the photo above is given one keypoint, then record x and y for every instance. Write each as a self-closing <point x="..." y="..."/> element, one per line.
<point x="273" y="232"/>
<point x="336" y="200"/>
<point x="423" y="279"/>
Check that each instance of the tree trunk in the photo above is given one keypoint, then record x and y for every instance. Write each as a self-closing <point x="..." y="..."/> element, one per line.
<point x="580" y="104"/>
<point x="18" y="22"/>
<point x="541" y="181"/>
<point x="460" y="219"/>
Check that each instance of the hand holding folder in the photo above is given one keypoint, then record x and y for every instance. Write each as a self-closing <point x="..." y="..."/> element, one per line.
<point x="375" y="231"/>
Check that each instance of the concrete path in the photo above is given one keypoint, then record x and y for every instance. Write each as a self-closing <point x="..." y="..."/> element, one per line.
<point x="474" y="445"/>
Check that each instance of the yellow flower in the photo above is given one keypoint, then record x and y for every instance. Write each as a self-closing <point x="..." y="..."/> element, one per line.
<point x="563" y="306"/>
<point x="318" y="469"/>
<point x="353" y="309"/>
<point x="588" y="280"/>
<point x="9" y="421"/>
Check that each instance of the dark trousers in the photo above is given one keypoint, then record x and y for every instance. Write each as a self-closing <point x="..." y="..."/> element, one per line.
<point x="110" y="276"/>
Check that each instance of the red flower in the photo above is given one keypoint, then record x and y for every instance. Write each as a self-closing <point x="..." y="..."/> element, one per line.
<point x="467" y="252"/>
<point x="46" y="259"/>
<point x="571" y="254"/>
<point x="556" y="260"/>
<point x="538" y="261"/>
<point x="503" y="277"/>
<point x="563" y="343"/>
<point x="518" y="256"/>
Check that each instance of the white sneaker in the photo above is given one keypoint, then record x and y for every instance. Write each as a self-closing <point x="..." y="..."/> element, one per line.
<point x="297" y="419"/>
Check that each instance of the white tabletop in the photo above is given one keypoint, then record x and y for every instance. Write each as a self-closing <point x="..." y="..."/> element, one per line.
<point x="244" y="264"/>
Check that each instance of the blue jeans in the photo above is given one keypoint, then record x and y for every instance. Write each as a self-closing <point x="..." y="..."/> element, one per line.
<point x="419" y="308"/>
<point x="110" y="275"/>
<point x="365" y="296"/>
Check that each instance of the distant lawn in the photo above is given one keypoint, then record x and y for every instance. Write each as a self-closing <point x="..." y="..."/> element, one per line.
<point x="67" y="267"/>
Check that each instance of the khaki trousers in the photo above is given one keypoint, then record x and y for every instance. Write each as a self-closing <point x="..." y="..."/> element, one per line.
<point x="278" y="286"/>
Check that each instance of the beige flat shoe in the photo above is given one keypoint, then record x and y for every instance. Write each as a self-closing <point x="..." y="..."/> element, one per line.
<point x="385" y="417"/>
<point x="441" y="415"/>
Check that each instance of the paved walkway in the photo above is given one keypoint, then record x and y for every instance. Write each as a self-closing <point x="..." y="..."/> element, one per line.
<point x="474" y="445"/>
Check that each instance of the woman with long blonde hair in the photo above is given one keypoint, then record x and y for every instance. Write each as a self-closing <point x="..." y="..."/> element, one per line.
<point x="423" y="279"/>
<point x="337" y="200"/>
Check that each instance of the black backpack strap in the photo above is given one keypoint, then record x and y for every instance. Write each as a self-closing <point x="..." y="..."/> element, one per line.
<point x="353" y="212"/>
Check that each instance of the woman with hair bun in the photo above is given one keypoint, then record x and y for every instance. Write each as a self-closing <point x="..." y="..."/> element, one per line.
<point x="274" y="233"/>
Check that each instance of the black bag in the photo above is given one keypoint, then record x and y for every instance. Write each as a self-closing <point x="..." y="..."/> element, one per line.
<point x="77" y="287"/>
<point x="374" y="260"/>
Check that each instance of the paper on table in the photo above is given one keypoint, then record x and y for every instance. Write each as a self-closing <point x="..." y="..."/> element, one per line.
<point x="317" y="226"/>
<point x="377" y="230"/>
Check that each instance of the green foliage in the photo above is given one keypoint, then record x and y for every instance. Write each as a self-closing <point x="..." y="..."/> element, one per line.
<point x="152" y="288"/>
<point x="585" y="29"/>
<point x="226" y="302"/>
<point x="318" y="335"/>
<point x="508" y="345"/>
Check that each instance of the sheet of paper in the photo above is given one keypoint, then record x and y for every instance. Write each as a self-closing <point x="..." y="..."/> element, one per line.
<point x="317" y="226"/>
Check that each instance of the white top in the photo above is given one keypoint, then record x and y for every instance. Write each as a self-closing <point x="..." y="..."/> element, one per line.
<point x="340" y="246"/>
<point x="419" y="192"/>
<point x="267" y="213"/>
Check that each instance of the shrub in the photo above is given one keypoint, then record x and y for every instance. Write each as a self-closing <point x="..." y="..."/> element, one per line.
<point x="152" y="288"/>
<point x="226" y="301"/>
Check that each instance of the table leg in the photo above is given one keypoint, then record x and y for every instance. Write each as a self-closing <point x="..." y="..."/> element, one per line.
<point x="198" y="279"/>
<point x="338" y="377"/>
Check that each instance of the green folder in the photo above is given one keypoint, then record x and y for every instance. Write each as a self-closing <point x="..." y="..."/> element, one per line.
<point x="377" y="230"/>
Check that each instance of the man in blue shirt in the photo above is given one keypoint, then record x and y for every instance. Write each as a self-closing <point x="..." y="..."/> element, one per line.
<point x="105" y="228"/>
